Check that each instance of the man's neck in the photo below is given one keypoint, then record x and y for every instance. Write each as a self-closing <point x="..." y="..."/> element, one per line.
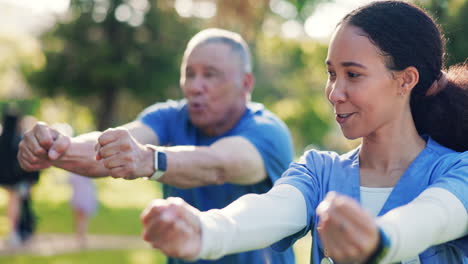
<point x="230" y="121"/>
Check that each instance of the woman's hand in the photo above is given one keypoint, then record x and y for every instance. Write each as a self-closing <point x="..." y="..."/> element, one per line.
<point x="348" y="233"/>
<point x="173" y="226"/>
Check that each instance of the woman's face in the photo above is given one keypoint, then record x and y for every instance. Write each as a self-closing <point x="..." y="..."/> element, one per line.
<point x="363" y="92"/>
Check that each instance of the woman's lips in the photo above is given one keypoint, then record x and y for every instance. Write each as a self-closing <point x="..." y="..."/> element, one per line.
<point x="343" y="118"/>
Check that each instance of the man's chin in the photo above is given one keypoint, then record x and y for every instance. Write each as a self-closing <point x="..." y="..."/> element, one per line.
<point x="199" y="120"/>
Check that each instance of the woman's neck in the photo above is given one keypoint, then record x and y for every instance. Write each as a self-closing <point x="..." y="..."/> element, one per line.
<point x="387" y="153"/>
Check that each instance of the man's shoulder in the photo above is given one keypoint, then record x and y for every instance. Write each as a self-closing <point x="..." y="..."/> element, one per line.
<point x="167" y="107"/>
<point x="255" y="107"/>
<point x="264" y="129"/>
<point x="261" y="116"/>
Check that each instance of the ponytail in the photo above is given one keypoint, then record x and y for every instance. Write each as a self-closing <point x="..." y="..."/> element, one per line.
<point x="442" y="112"/>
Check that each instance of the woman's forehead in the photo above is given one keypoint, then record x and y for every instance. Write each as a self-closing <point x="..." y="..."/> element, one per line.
<point x="350" y="43"/>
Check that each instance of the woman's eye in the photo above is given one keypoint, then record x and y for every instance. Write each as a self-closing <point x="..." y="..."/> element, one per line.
<point x="331" y="73"/>
<point x="353" y="75"/>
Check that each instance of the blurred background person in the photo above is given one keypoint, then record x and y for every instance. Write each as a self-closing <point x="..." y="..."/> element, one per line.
<point x="83" y="199"/>
<point x="84" y="204"/>
<point x="17" y="182"/>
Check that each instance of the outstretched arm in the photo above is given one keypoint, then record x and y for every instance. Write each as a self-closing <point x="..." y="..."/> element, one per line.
<point x="44" y="146"/>
<point x="350" y="234"/>
<point x="251" y="222"/>
<point x="230" y="159"/>
<point x="409" y="230"/>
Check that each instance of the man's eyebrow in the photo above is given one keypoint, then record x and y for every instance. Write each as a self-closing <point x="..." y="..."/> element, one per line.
<point x="207" y="67"/>
<point x="211" y="68"/>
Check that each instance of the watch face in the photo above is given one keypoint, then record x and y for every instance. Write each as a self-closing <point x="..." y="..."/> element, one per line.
<point x="326" y="260"/>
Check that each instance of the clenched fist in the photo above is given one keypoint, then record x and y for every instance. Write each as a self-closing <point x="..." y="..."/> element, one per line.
<point x="348" y="233"/>
<point x="123" y="155"/>
<point x="173" y="226"/>
<point x="41" y="146"/>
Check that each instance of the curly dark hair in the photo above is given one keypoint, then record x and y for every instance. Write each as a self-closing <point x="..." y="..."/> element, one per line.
<point x="407" y="36"/>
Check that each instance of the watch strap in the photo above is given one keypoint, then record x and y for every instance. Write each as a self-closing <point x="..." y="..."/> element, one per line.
<point x="160" y="164"/>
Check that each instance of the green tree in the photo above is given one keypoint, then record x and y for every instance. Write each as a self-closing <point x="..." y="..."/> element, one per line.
<point x="18" y="51"/>
<point x="451" y="15"/>
<point x="457" y="33"/>
<point x="291" y="77"/>
<point x="290" y="73"/>
<point x="105" y="47"/>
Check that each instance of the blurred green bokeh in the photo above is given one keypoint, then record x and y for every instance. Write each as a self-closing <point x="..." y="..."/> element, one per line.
<point x="95" y="68"/>
<point x="135" y="256"/>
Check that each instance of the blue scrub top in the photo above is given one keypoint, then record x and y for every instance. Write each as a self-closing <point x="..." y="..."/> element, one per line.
<point x="170" y="121"/>
<point x="320" y="172"/>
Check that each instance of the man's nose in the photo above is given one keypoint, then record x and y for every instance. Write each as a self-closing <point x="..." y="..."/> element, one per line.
<point x="195" y="85"/>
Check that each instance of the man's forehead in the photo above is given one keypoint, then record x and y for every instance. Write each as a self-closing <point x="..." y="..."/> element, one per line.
<point x="212" y="54"/>
<point x="213" y="47"/>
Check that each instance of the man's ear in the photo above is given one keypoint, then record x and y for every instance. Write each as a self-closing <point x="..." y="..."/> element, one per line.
<point x="407" y="80"/>
<point x="248" y="82"/>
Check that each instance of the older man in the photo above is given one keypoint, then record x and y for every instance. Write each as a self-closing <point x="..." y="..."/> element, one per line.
<point x="209" y="149"/>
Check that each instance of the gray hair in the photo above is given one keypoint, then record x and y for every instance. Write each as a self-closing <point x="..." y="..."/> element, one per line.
<point x="232" y="39"/>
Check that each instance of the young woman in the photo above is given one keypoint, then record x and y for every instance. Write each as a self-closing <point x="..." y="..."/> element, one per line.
<point x="401" y="196"/>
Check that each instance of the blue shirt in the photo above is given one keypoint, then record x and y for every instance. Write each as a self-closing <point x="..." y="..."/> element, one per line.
<point x="436" y="166"/>
<point x="270" y="136"/>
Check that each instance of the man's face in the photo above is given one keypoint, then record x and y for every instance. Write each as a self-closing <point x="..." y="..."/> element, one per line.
<point x="212" y="81"/>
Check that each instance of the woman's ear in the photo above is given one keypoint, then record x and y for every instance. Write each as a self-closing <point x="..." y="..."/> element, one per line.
<point x="407" y="80"/>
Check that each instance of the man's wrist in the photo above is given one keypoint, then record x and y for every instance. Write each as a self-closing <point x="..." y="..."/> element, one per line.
<point x="159" y="163"/>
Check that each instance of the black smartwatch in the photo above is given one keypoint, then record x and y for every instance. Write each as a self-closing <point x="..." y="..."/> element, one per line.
<point x="160" y="163"/>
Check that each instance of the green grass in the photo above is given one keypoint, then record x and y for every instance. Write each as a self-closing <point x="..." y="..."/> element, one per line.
<point x="139" y="256"/>
<point x="120" y="205"/>
<point x="58" y="219"/>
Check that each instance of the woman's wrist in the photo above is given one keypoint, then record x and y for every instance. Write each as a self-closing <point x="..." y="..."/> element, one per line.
<point x="382" y="248"/>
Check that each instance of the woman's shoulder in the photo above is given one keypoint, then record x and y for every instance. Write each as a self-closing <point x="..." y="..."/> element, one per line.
<point x="445" y="160"/>
<point x="444" y="154"/>
<point x="331" y="158"/>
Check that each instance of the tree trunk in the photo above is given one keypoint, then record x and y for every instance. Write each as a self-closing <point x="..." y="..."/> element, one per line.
<point x="107" y="107"/>
<point x="109" y="95"/>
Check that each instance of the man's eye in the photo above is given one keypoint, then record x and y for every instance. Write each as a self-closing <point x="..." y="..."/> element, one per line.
<point x="209" y="74"/>
<point x="189" y="74"/>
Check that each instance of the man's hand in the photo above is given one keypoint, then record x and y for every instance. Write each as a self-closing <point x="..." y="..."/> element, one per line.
<point x="41" y="146"/>
<point x="173" y="226"/>
<point x="348" y="233"/>
<point x="123" y="155"/>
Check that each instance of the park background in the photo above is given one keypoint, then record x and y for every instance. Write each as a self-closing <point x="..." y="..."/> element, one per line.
<point x="97" y="63"/>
